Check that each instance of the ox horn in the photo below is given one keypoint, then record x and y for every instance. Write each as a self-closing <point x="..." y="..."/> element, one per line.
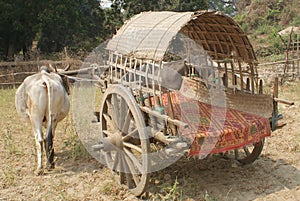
<point x="53" y="69"/>
<point x="67" y="67"/>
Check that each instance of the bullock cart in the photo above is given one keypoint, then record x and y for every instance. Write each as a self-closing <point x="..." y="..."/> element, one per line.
<point x="180" y="84"/>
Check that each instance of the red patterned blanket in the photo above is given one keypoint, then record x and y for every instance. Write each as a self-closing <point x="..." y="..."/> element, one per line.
<point x="216" y="129"/>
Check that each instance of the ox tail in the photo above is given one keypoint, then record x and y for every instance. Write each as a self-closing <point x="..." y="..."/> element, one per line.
<point x="20" y="102"/>
<point x="48" y="142"/>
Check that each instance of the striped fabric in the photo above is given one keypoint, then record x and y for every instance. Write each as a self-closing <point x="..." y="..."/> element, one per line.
<point x="215" y="129"/>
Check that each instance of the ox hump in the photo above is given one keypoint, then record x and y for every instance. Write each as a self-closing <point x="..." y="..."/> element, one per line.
<point x="44" y="69"/>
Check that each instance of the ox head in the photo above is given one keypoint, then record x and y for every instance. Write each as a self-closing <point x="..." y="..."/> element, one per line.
<point x="64" y="78"/>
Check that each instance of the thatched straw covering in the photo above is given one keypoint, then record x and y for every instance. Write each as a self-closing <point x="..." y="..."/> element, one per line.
<point x="287" y="31"/>
<point x="148" y="35"/>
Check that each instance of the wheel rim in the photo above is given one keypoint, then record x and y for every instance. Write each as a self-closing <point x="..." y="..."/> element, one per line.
<point x="247" y="154"/>
<point x="123" y="131"/>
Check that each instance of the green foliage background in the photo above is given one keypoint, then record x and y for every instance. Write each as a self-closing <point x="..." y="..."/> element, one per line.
<point x="81" y="25"/>
<point x="78" y="25"/>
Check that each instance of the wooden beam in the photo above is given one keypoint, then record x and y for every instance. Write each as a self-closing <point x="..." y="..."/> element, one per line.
<point x="275" y="91"/>
<point x="279" y="100"/>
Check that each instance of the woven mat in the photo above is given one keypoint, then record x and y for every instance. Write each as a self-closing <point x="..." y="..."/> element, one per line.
<point x="216" y="129"/>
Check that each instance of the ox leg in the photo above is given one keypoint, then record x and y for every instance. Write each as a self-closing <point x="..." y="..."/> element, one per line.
<point x="39" y="149"/>
<point x="36" y="124"/>
<point x="49" y="148"/>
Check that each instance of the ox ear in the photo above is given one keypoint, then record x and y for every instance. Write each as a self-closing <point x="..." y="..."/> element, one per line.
<point x="66" y="83"/>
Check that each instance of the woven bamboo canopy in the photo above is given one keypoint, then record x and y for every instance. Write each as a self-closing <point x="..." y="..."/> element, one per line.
<point x="148" y="35"/>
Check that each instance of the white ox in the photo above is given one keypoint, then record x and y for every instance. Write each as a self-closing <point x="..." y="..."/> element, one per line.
<point x="42" y="99"/>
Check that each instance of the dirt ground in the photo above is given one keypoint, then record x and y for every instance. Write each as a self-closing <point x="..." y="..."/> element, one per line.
<point x="77" y="176"/>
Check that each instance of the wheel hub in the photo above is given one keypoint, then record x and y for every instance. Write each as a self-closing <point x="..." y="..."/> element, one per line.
<point x="116" y="140"/>
<point x="113" y="142"/>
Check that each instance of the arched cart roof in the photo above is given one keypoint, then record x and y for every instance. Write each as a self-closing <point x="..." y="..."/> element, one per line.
<point x="148" y="35"/>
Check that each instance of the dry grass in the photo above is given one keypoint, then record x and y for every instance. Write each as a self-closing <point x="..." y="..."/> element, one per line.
<point x="78" y="176"/>
<point x="8" y="139"/>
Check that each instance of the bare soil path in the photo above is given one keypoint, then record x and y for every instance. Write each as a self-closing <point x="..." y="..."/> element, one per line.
<point x="77" y="176"/>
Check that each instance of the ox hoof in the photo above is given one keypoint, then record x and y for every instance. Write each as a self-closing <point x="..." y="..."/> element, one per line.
<point x="39" y="172"/>
<point x="50" y="166"/>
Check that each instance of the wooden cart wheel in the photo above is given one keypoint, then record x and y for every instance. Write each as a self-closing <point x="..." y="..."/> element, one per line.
<point x="124" y="138"/>
<point x="248" y="153"/>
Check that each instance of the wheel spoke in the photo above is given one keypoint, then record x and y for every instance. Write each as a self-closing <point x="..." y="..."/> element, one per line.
<point x="130" y="135"/>
<point x="108" y="103"/>
<point x="108" y="107"/>
<point x="127" y="122"/>
<point x="134" y="160"/>
<point x="107" y="133"/>
<point x="109" y="160"/>
<point x="236" y="154"/>
<point x="116" y="161"/>
<point x="246" y="150"/>
<point x="107" y="117"/>
<point x="132" y="170"/>
<point x="115" y="109"/>
<point x="123" y="108"/>
<point x="129" y="178"/>
<point x="127" y="172"/>
<point x="121" y="171"/>
<point x="132" y="146"/>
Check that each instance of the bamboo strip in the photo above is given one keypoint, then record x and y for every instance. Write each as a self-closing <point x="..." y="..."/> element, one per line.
<point x="164" y="117"/>
<point x="260" y="87"/>
<point x="252" y="78"/>
<point x="241" y="75"/>
<point x="248" y="84"/>
<point x="225" y="75"/>
<point x="233" y="81"/>
<point x="171" y="112"/>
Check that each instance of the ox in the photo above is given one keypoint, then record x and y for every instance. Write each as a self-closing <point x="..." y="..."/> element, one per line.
<point x="42" y="100"/>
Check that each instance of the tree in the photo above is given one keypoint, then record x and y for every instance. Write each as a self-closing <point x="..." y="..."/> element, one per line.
<point x="114" y="18"/>
<point x="70" y="23"/>
<point x="55" y="24"/>
<point x="191" y="5"/>
<point x="227" y="6"/>
<point x="18" y="26"/>
<point x="76" y="24"/>
<point x="132" y="7"/>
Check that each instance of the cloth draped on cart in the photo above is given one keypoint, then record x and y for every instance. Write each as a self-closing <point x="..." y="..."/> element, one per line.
<point x="215" y="129"/>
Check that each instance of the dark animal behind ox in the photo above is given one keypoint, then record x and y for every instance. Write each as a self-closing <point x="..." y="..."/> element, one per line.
<point x="42" y="99"/>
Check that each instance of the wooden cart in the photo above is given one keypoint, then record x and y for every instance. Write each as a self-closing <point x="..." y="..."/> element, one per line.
<point x="180" y="83"/>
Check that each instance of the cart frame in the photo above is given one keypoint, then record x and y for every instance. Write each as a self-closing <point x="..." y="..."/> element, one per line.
<point x="133" y="114"/>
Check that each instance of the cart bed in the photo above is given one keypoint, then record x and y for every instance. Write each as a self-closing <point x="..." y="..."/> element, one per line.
<point x="225" y="130"/>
